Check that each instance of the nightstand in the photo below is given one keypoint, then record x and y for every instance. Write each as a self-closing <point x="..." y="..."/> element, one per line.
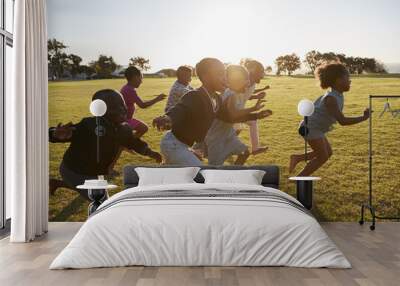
<point x="304" y="191"/>
<point x="97" y="192"/>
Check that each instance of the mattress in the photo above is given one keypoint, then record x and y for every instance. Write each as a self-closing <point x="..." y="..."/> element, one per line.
<point x="201" y="225"/>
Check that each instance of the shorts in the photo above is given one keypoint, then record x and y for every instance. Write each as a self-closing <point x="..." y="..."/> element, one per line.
<point x="221" y="150"/>
<point x="135" y="123"/>
<point x="312" y="134"/>
<point x="176" y="152"/>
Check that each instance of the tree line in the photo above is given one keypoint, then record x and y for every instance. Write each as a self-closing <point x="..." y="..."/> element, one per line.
<point x="356" y="65"/>
<point x="63" y="65"/>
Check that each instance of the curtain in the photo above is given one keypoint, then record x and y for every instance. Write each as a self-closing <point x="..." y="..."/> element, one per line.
<point x="27" y="124"/>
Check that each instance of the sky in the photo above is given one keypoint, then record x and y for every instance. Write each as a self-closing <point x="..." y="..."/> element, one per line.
<point x="175" y="32"/>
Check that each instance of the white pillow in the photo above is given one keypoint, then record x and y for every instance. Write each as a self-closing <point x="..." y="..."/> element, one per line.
<point x="247" y="177"/>
<point x="166" y="176"/>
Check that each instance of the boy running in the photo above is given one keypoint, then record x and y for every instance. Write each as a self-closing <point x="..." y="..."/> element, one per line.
<point x="180" y="87"/>
<point x="80" y="159"/>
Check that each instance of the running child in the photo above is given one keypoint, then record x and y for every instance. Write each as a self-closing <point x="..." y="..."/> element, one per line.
<point x="80" y="159"/>
<point x="180" y="86"/>
<point x="194" y="114"/>
<point x="256" y="74"/>
<point x="222" y="139"/>
<point x="134" y="79"/>
<point x="328" y="111"/>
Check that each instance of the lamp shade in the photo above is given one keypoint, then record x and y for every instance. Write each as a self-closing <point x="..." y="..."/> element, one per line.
<point x="98" y="107"/>
<point x="305" y="107"/>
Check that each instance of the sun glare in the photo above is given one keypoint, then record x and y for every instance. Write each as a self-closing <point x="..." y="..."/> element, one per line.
<point x="227" y="31"/>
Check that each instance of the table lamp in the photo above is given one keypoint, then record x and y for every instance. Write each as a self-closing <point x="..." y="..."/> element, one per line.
<point x="98" y="108"/>
<point x="305" y="108"/>
<point x="97" y="194"/>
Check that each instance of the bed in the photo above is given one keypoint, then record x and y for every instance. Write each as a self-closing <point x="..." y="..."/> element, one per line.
<point x="198" y="224"/>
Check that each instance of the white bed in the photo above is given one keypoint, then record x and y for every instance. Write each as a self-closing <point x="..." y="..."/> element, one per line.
<point x="248" y="226"/>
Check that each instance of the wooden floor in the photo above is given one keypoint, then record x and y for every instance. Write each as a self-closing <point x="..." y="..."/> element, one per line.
<point x="375" y="257"/>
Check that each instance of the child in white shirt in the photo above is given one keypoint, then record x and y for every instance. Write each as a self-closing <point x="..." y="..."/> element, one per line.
<point x="256" y="73"/>
<point x="222" y="140"/>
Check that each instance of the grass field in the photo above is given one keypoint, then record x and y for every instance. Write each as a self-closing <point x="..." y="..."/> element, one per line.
<point x="344" y="182"/>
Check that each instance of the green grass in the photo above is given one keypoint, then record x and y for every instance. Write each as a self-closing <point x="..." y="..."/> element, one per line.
<point x="344" y="184"/>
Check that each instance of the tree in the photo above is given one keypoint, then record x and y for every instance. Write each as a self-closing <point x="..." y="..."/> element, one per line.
<point x="380" y="68"/>
<point x="341" y="58"/>
<point x="312" y="60"/>
<point x="104" y="66"/>
<point x="61" y="63"/>
<point x="288" y="64"/>
<point x="350" y="64"/>
<point x="293" y="63"/>
<point x="359" y="64"/>
<point x="280" y="65"/>
<point x="55" y="47"/>
<point x="57" y="58"/>
<point x="141" y="63"/>
<point x="329" y="57"/>
<point x="87" y="70"/>
<point x="74" y="64"/>
<point x="268" y="69"/>
<point x="369" y="65"/>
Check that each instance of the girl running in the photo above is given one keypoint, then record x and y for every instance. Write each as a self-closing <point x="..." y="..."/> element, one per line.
<point x="222" y="139"/>
<point x="328" y="111"/>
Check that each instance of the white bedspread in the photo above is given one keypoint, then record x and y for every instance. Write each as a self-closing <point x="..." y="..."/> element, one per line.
<point x="188" y="231"/>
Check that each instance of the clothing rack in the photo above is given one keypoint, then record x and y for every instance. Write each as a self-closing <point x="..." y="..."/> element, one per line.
<point x="369" y="205"/>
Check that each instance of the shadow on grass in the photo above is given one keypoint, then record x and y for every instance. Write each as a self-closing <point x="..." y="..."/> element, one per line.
<point x="73" y="208"/>
<point x="318" y="214"/>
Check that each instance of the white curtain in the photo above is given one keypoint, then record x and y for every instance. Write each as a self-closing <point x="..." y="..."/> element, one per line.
<point x="27" y="124"/>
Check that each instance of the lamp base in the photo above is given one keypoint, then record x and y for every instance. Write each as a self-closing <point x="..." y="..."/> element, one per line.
<point x="305" y="193"/>
<point x="304" y="190"/>
<point x="98" y="196"/>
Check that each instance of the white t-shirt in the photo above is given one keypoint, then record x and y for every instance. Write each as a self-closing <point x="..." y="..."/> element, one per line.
<point x="241" y="98"/>
<point x="175" y="94"/>
<point x="250" y="90"/>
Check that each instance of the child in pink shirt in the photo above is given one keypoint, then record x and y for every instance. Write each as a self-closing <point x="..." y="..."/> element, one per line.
<point x="134" y="77"/>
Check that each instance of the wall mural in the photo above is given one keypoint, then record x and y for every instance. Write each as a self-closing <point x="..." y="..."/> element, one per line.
<point x="117" y="106"/>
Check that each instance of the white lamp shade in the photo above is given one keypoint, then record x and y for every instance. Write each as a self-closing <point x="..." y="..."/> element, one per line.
<point x="98" y="107"/>
<point x="305" y="107"/>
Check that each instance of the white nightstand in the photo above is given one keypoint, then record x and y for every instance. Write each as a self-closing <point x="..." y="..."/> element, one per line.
<point x="97" y="193"/>
<point x="305" y="189"/>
